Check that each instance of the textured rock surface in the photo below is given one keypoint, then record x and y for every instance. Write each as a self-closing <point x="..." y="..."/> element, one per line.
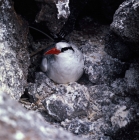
<point x="107" y="113"/>
<point x="100" y="67"/>
<point x="78" y="126"/>
<point x="14" y="58"/>
<point x="63" y="8"/>
<point x="126" y="19"/>
<point x="54" y="14"/>
<point x="68" y="101"/>
<point x="130" y="84"/>
<point x="115" y="109"/>
<point x="61" y="5"/>
<point x="42" y="88"/>
<point x="19" y="124"/>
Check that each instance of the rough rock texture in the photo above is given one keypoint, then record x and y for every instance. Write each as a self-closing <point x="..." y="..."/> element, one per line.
<point x="42" y="88"/>
<point x="66" y="101"/>
<point x="20" y="124"/>
<point x="100" y="67"/>
<point x="130" y="84"/>
<point x="113" y="111"/>
<point x="54" y="14"/>
<point x="104" y="98"/>
<point x="63" y="8"/>
<point x="78" y="126"/>
<point x="14" y="58"/>
<point x="69" y="101"/>
<point x="126" y="19"/>
<point x="108" y="113"/>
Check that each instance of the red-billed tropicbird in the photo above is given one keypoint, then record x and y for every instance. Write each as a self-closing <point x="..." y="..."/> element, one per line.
<point x="63" y="63"/>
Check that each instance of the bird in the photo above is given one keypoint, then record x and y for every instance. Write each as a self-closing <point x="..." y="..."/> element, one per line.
<point x="63" y="63"/>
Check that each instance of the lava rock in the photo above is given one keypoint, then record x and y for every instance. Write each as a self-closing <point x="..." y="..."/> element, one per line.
<point x="42" y="88"/>
<point x="63" y="8"/>
<point x="53" y="14"/>
<point x="78" y="126"/>
<point x="85" y="127"/>
<point x="99" y="66"/>
<point x="130" y="84"/>
<point x="114" y="110"/>
<point x="125" y="22"/>
<point x="14" y="57"/>
<point x="132" y="77"/>
<point x="69" y="101"/>
<point x="18" y="123"/>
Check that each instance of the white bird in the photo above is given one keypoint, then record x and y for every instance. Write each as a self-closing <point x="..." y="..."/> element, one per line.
<point x="63" y="63"/>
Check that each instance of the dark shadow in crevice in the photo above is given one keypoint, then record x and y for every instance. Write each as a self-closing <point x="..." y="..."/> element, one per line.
<point x="27" y="97"/>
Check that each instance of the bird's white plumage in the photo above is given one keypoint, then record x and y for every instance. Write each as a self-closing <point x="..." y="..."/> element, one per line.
<point x="65" y="67"/>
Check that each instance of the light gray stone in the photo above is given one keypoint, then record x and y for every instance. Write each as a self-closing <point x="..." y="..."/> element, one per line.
<point x="68" y="101"/>
<point x="125" y="21"/>
<point x="99" y="66"/>
<point x="54" y="13"/>
<point x="14" y="58"/>
<point x="20" y="124"/>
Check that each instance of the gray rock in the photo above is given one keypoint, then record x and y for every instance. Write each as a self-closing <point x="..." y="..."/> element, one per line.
<point x="103" y="112"/>
<point x="20" y="124"/>
<point x="42" y="88"/>
<point x="107" y="113"/>
<point x="69" y="101"/>
<point x="77" y="126"/>
<point x="130" y="84"/>
<point x="115" y="111"/>
<point x="43" y="85"/>
<point x="14" y="57"/>
<point x="86" y="128"/>
<point x="132" y="77"/>
<point x="63" y="8"/>
<point x="60" y="101"/>
<point x="126" y="19"/>
<point x="99" y="66"/>
<point x="54" y="14"/>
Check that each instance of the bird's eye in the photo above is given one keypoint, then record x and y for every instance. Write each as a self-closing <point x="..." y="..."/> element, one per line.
<point x="66" y="48"/>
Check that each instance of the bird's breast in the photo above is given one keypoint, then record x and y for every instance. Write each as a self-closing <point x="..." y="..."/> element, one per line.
<point x="65" y="70"/>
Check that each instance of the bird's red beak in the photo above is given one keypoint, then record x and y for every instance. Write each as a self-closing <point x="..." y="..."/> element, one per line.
<point x="52" y="51"/>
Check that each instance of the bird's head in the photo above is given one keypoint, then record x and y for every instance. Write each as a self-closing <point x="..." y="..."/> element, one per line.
<point x="60" y="47"/>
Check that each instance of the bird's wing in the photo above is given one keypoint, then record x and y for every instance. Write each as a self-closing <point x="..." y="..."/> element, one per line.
<point x="44" y="64"/>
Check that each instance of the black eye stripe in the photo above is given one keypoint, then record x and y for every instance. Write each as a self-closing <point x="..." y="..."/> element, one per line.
<point x="66" y="48"/>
